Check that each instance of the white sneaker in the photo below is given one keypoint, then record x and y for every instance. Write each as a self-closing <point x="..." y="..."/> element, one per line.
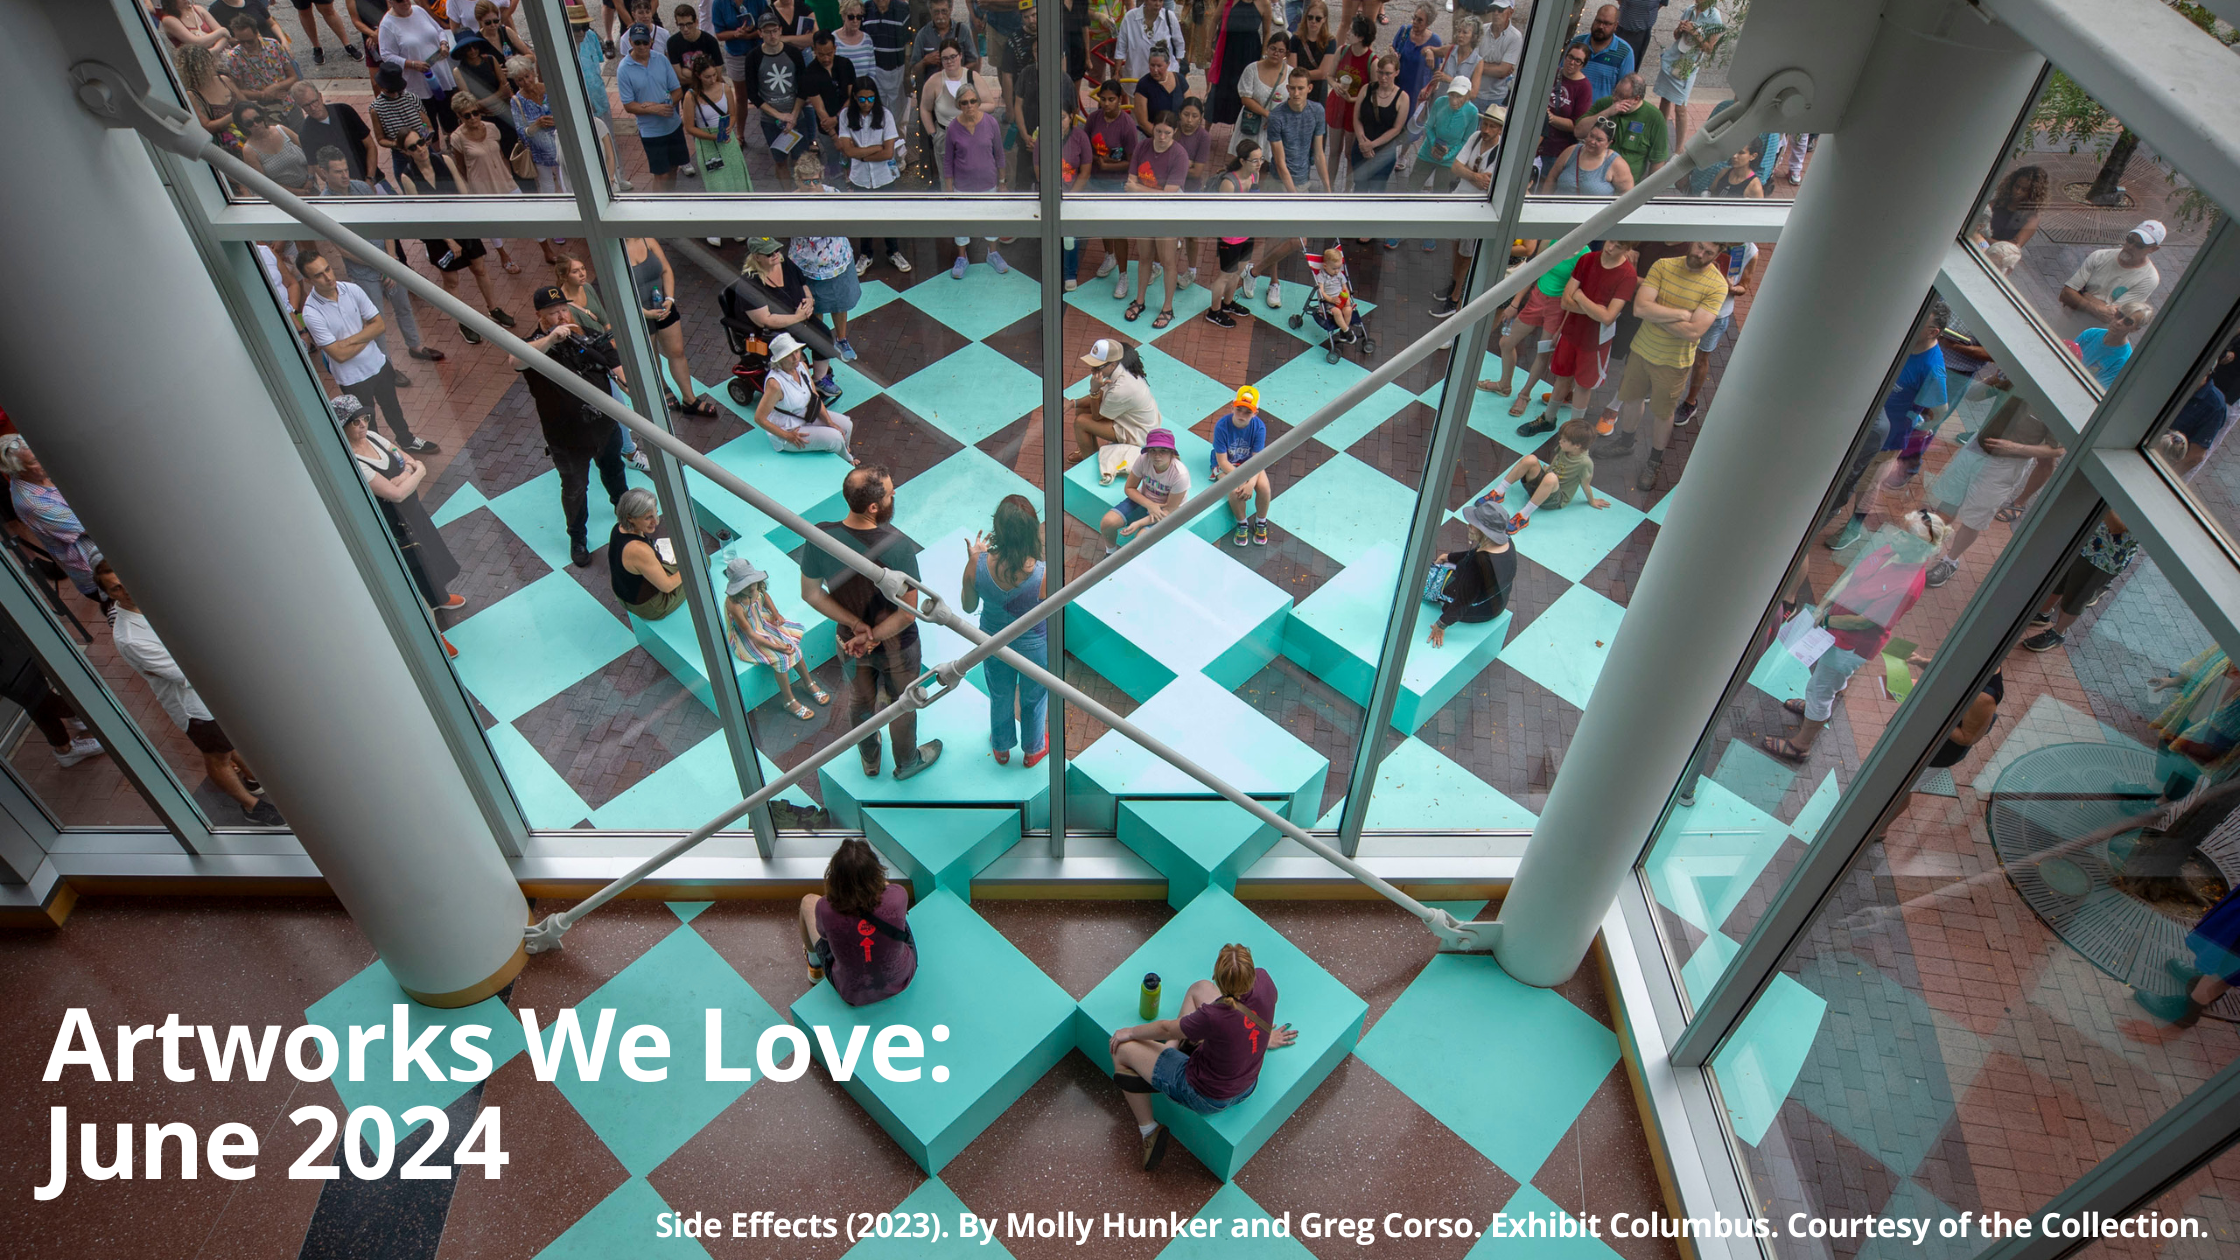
<point x="1106" y="267"/>
<point x="1275" y="293"/>
<point x="688" y="169"/>
<point x="78" y="751"/>
<point x="900" y="263"/>
<point x="1189" y="278"/>
<point x="1249" y="286"/>
<point x="716" y="241"/>
<point x="1120" y="288"/>
<point x="637" y="459"/>
<point x="1071" y="285"/>
<point x="1157" y="270"/>
<point x="863" y="265"/>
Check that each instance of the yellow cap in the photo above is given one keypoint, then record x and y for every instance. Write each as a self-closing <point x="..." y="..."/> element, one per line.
<point x="1247" y="396"/>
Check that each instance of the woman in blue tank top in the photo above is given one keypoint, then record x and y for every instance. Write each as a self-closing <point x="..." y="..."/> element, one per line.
<point x="1004" y="577"/>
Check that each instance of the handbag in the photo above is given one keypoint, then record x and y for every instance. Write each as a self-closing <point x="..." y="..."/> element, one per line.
<point x="524" y="166"/>
<point x="1435" y="582"/>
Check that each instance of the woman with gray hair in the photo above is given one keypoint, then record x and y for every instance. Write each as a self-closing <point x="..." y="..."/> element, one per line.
<point x="43" y="510"/>
<point x="644" y="579"/>
<point x="395" y="479"/>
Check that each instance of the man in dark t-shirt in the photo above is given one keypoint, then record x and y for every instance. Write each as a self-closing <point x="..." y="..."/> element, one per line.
<point x="327" y="123"/>
<point x="688" y="39"/>
<point x="878" y="638"/>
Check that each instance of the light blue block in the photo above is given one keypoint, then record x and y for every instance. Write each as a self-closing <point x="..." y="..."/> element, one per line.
<point x="793" y="794"/>
<point x="1549" y="1055"/>
<point x="1420" y="787"/>
<point x="1185" y="395"/>
<point x="873" y="295"/>
<point x="1656" y="514"/>
<point x="682" y="795"/>
<point x="1188" y="609"/>
<point x="1814" y="813"/>
<point x="978" y="306"/>
<point x="1344" y="508"/>
<point x="965" y="775"/>
<point x="1294" y="392"/>
<point x="369" y="999"/>
<point x="933" y="1198"/>
<point x="1007" y="1025"/>
<point x="1489" y="413"/>
<point x="687" y="911"/>
<point x="1489" y="367"/>
<point x="1569" y="541"/>
<point x="1326" y="1015"/>
<point x="1195" y="844"/>
<point x="1337" y="633"/>
<point x="1528" y="1204"/>
<point x="1564" y="647"/>
<point x="941" y="848"/>
<point x="547" y="800"/>
<point x="671" y="987"/>
<point x="1707" y="856"/>
<point x="807" y="482"/>
<point x="1087" y="500"/>
<point x="1212" y="727"/>
<point x="622" y="1225"/>
<point x="970" y="394"/>
<point x="958" y="496"/>
<point x="465" y="499"/>
<point x="1247" y="1232"/>
<point x="1759" y="1063"/>
<point x="534" y="644"/>
<point x="1094" y="298"/>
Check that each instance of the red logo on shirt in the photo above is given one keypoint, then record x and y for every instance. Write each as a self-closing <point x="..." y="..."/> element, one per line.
<point x="864" y="929"/>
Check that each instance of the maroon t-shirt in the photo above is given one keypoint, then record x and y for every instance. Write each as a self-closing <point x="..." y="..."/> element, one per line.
<point x="868" y="964"/>
<point x="1230" y="1048"/>
<point x="1573" y="99"/>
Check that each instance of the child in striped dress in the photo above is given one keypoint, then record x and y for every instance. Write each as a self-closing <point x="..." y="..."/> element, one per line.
<point x="760" y="634"/>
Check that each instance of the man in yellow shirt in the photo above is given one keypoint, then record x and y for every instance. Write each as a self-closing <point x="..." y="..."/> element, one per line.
<point x="1677" y="302"/>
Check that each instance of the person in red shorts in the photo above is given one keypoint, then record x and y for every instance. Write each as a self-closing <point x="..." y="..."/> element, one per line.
<point x="1536" y="322"/>
<point x="1599" y="288"/>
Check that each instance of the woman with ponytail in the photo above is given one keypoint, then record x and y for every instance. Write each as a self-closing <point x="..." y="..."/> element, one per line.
<point x="1208" y="1057"/>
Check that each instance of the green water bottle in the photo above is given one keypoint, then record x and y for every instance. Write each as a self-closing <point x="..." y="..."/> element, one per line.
<point x="1147" y="1002"/>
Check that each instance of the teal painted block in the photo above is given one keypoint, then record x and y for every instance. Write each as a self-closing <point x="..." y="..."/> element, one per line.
<point x="1195" y="844"/>
<point x="933" y="1198"/>
<point x="874" y="294"/>
<point x="1184" y="394"/>
<point x="535" y="643"/>
<point x="958" y="496"/>
<point x="687" y="911"/>
<point x="1489" y="413"/>
<point x="465" y="499"/>
<point x="1247" y="1232"/>
<point x="1564" y="647"/>
<point x="1326" y="1015"/>
<point x="1188" y="609"/>
<point x="965" y="775"/>
<point x="970" y="394"/>
<point x="622" y="1225"/>
<point x="1094" y="298"/>
<point x="676" y="644"/>
<point x="1088" y="499"/>
<point x="1529" y="1204"/>
<point x="1007" y="1025"/>
<point x="370" y="999"/>
<point x="1294" y="392"/>
<point x="1212" y="727"/>
<point x="1759" y="1063"/>
<point x="792" y="794"/>
<point x="1433" y="676"/>
<point x="547" y="800"/>
<point x="806" y="482"/>
<point x="680" y="796"/>
<point x="1549" y="1055"/>
<point x="1337" y="633"/>
<point x="1707" y="964"/>
<point x="1419" y="787"/>
<point x="1707" y="856"/>
<point x="671" y="987"/>
<point x="1344" y="508"/>
<point x="1779" y="674"/>
<point x="1489" y="367"/>
<point x="532" y="511"/>
<point x="1569" y="541"/>
<point x="980" y="305"/>
<point x="1656" y="514"/>
<point x="941" y="848"/>
<point x="1754" y="776"/>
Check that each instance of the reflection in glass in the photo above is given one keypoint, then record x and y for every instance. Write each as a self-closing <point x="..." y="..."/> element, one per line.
<point x="49" y="745"/>
<point x="2209" y="1198"/>
<point x="1996" y="994"/>
<point x="2191" y="446"/>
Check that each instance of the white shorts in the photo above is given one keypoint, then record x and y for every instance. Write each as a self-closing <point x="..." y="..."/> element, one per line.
<point x="1998" y="479"/>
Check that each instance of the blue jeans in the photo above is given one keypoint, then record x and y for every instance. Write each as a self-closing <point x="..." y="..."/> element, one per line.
<point x="1005" y="684"/>
<point x="1072" y="259"/>
<point x="1167" y="1075"/>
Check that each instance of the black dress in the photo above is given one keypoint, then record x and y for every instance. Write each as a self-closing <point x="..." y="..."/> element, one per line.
<point x="431" y="563"/>
<point x="1240" y="47"/>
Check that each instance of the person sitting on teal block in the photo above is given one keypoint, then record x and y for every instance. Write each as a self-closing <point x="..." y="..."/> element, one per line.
<point x="1554" y="482"/>
<point x="1239" y="435"/>
<point x="646" y="581"/>
<point x="858" y="932"/>
<point x="1206" y="1059"/>
<point x="1157" y="484"/>
<point x="1478" y="589"/>
<point x="760" y="635"/>
<point x="1004" y="577"/>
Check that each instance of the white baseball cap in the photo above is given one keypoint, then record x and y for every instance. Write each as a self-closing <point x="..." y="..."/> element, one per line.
<point x="1458" y="86"/>
<point x="2151" y="232"/>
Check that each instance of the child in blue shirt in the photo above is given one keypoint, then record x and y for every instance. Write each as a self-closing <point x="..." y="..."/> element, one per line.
<point x="1239" y="435"/>
<point x="2105" y="350"/>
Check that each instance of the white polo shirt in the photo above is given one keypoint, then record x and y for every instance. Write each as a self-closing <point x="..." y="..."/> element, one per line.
<point x="331" y="321"/>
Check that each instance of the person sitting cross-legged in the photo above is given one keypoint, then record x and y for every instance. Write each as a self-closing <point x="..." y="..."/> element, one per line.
<point x="858" y="931"/>
<point x="1208" y="1058"/>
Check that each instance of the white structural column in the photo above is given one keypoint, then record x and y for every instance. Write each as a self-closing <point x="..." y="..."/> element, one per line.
<point x="1938" y="93"/>
<point x="124" y="370"/>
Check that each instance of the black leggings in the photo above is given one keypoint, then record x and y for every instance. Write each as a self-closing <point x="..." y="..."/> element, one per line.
<point x="863" y="249"/>
<point x="380" y="390"/>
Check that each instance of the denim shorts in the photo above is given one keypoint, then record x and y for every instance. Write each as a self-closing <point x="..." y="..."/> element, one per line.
<point x="1715" y="334"/>
<point x="1168" y="1076"/>
<point x="838" y="295"/>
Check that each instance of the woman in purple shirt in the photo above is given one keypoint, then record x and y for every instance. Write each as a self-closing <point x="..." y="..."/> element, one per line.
<point x="972" y="161"/>
<point x="858" y="932"/>
<point x="1161" y="166"/>
<point x="1207" y="1059"/>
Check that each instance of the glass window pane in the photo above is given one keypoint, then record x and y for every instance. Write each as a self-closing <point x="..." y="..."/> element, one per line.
<point x="1790" y="742"/>
<point x="945" y="396"/>
<point x="78" y="785"/>
<point x="2087" y="223"/>
<point x="2192" y="444"/>
<point x="1996" y="995"/>
<point x="2207" y="1202"/>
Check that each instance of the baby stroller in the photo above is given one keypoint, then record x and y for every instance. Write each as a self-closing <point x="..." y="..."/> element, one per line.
<point x="751" y="343"/>
<point x="1357" y="332"/>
